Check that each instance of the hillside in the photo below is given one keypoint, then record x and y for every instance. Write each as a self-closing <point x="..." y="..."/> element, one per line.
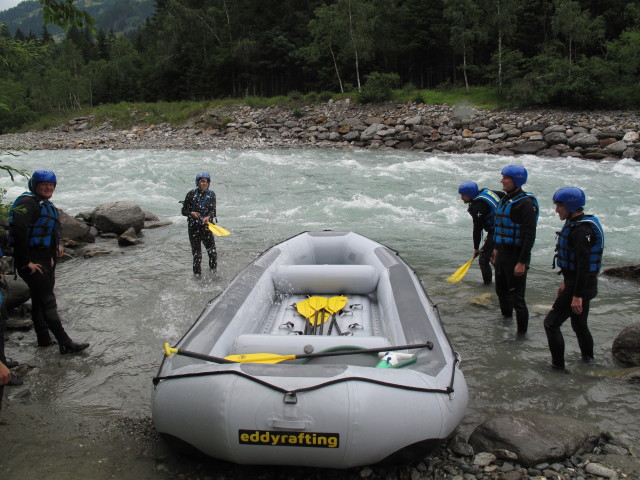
<point x="119" y="16"/>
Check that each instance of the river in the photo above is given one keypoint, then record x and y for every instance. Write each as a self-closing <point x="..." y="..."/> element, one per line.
<point x="128" y="304"/>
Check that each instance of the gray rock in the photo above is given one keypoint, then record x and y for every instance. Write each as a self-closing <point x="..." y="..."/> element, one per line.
<point x="631" y="272"/>
<point x="16" y="294"/>
<point x="583" y="140"/>
<point x="616" y="148"/>
<point x="534" y="437"/>
<point x="530" y="147"/>
<point x="626" y="346"/>
<point x="73" y="229"/>
<point x="371" y="131"/>
<point x="554" y="138"/>
<point x="129" y="237"/>
<point x="631" y="137"/>
<point x="601" y="471"/>
<point x="150" y="217"/>
<point x="117" y="217"/>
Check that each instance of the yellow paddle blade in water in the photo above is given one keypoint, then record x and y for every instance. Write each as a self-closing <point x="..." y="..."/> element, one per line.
<point x="218" y="230"/>
<point x="461" y="272"/>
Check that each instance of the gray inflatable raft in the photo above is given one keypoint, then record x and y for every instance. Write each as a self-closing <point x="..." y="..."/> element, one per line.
<point x="328" y="401"/>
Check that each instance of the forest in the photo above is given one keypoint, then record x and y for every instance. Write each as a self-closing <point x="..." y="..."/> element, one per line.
<point x="541" y="53"/>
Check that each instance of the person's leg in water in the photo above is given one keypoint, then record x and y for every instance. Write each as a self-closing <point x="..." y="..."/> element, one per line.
<point x="196" y="249"/>
<point x="210" y="245"/>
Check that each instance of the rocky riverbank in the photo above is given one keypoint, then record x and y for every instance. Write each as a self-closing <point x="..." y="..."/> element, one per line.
<point x="342" y="124"/>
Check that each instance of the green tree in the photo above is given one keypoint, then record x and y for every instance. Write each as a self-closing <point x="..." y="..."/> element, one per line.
<point x="575" y="26"/>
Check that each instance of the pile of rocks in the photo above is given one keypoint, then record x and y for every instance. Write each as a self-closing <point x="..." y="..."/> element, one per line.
<point x="342" y="124"/>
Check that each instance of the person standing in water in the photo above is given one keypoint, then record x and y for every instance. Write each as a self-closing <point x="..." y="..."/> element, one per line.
<point x="579" y="255"/>
<point x="482" y="207"/>
<point x="515" y="225"/>
<point x="199" y="206"/>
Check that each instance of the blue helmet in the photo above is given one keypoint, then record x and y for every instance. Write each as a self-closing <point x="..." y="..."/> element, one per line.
<point x="41" y="176"/>
<point x="571" y="197"/>
<point x="203" y="175"/>
<point x="518" y="173"/>
<point x="470" y="189"/>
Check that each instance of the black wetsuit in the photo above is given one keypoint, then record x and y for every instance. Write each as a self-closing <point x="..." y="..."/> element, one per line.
<point x="581" y="283"/>
<point x="44" y="308"/>
<point x="205" y="204"/>
<point x="480" y="211"/>
<point x="509" y="288"/>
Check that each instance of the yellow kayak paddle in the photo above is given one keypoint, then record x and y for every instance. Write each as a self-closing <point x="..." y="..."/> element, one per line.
<point x="217" y="230"/>
<point x="461" y="272"/>
<point x="273" y="358"/>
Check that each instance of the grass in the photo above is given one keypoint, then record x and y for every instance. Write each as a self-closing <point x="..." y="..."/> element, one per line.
<point x="125" y="115"/>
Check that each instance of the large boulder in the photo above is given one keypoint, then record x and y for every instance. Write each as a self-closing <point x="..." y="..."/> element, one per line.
<point x="118" y="217"/>
<point x="535" y="438"/>
<point x="74" y="229"/>
<point x="16" y="294"/>
<point x="626" y="346"/>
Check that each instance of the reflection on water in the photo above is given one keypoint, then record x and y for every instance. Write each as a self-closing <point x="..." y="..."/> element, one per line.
<point x="129" y="303"/>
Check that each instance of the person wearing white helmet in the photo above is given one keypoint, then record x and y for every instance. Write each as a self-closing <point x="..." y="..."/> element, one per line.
<point x="515" y="224"/>
<point x="482" y="207"/>
<point x="579" y="252"/>
<point x="34" y="233"/>
<point x="199" y="206"/>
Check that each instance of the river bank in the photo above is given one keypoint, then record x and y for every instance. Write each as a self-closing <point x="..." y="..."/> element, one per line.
<point x="342" y="124"/>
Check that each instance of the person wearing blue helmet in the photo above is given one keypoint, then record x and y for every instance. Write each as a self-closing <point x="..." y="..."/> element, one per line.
<point x="199" y="206"/>
<point x="482" y="207"/>
<point x="579" y="250"/>
<point x="34" y="226"/>
<point x="515" y="223"/>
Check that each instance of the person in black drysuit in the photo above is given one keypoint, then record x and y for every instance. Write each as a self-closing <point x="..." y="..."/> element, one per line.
<point x="515" y="225"/>
<point x="199" y="207"/>
<point x="34" y="234"/>
<point x="482" y="207"/>
<point x="579" y="255"/>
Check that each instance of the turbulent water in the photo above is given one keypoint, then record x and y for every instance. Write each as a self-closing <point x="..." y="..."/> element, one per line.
<point x="128" y="304"/>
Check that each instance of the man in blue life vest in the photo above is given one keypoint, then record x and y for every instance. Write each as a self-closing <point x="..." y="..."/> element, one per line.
<point x="579" y="255"/>
<point x="482" y="207"/>
<point x="34" y="234"/>
<point x="515" y="225"/>
<point x="199" y="207"/>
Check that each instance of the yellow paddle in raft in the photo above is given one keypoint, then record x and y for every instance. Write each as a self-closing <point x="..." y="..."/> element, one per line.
<point x="461" y="272"/>
<point x="217" y="230"/>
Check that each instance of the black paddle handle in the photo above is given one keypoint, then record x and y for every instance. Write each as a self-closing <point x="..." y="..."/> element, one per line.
<point x="428" y="345"/>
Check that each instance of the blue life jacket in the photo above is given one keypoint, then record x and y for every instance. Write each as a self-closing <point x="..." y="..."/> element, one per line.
<point x="506" y="231"/>
<point x="565" y="254"/>
<point x="491" y="199"/>
<point x="43" y="233"/>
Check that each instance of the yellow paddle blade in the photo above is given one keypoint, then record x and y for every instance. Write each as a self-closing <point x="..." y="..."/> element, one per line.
<point x="335" y="304"/>
<point x="259" y="358"/>
<point x="461" y="272"/>
<point x="218" y="230"/>
<point x="318" y="303"/>
<point x="304" y="309"/>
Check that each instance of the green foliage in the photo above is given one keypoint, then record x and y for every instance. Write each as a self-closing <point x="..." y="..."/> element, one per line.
<point x="378" y="87"/>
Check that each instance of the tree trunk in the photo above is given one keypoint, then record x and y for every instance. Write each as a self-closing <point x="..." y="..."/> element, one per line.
<point x="355" y="49"/>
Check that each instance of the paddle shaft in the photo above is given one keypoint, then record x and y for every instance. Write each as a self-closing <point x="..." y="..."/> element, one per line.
<point x="208" y="358"/>
<point x="428" y="345"/>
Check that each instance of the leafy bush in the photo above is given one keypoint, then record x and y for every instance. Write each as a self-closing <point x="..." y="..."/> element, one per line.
<point x="378" y="87"/>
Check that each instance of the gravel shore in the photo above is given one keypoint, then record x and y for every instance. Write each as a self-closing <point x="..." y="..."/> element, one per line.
<point x="594" y="135"/>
